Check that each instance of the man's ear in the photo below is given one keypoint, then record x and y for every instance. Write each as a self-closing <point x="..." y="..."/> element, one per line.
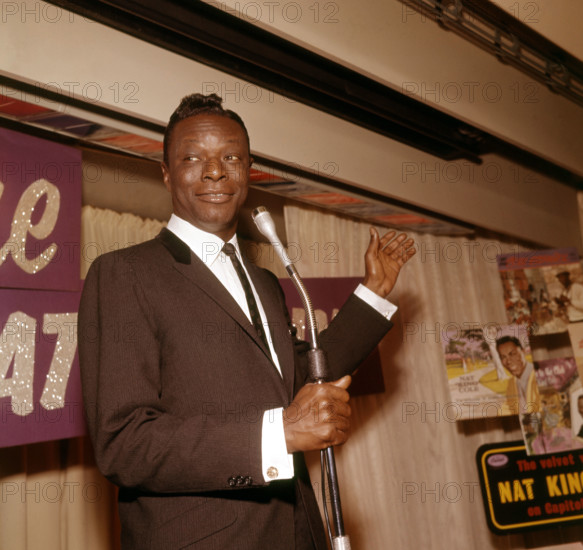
<point x="251" y="161"/>
<point x="166" y="177"/>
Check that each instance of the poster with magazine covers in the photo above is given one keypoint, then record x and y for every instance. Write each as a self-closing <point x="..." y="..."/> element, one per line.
<point x="482" y="368"/>
<point x="550" y="427"/>
<point x="542" y="289"/>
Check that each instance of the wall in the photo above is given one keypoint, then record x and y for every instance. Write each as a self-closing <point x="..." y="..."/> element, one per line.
<point x="44" y="45"/>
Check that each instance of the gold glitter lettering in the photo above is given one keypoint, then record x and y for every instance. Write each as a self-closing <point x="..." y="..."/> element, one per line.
<point x="17" y="343"/>
<point x="64" y="325"/>
<point x="22" y="226"/>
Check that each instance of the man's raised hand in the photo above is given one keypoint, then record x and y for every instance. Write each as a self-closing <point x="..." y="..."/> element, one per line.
<point x="384" y="259"/>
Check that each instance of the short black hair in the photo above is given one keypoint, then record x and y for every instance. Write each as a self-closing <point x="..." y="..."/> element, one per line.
<point x="199" y="104"/>
<point x="506" y="339"/>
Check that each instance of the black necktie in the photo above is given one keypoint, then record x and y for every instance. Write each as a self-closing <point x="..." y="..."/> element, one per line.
<point x="230" y="251"/>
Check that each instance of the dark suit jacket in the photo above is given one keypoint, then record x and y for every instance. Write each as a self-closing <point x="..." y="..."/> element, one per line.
<point x="175" y="383"/>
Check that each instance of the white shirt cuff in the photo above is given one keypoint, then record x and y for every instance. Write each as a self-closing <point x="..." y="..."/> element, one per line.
<point x="384" y="307"/>
<point x="277" y="463"/>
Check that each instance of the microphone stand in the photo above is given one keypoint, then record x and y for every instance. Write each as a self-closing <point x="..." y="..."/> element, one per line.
<point x="319" y="373"/>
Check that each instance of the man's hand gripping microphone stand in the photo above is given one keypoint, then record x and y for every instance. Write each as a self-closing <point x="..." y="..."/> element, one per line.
<point x="318" y="373"/>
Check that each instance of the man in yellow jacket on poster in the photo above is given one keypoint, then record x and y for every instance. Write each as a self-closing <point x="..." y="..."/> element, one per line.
<point x="522" y="392"/>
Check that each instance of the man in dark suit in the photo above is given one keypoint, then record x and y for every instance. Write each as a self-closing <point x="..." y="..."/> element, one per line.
<point x="195" y="391"/>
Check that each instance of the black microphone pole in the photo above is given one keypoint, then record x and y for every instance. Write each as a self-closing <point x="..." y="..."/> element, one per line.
<point x="319" y="373"/>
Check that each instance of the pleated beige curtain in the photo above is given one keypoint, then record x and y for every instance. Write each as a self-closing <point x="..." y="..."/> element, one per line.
<point x="407" y="475"/>
<point x="52" y="497"/>
<point x="105" y="230"/>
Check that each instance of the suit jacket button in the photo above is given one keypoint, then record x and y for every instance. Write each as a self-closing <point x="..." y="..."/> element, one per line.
<point x="248" y="480"/>
<point x="272" y="472"/>
<point x="231" y="481"/>
<point x="240" y="480"/>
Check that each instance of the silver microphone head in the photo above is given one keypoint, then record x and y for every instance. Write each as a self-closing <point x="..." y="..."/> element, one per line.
<point x="266" y="226"/>
<point x="265" y="223"/>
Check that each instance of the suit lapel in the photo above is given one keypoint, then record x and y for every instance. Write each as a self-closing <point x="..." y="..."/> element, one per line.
<point x="189" y="265"/>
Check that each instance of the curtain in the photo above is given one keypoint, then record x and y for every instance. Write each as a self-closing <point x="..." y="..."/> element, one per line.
<point x="105" y="230"/>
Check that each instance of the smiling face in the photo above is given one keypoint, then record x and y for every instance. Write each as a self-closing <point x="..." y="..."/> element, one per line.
<point x="512" y="358"/>
<point x="207" y="172"/>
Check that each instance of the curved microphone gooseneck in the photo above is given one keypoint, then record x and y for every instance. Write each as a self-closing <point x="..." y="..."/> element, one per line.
<point x="318" y="373"/>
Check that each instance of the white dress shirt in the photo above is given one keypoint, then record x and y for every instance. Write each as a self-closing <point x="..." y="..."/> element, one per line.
<point x="277" y="463"/>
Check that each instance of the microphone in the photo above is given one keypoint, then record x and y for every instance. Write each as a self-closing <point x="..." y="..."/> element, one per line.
<point x="318" y="372"/>
<point x="266" y="226"/>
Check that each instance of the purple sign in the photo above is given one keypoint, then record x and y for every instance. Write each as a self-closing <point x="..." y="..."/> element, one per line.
<point x="40" y="387"/>
<point x="328" y="295"/>
<point x="40" y="213"/>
